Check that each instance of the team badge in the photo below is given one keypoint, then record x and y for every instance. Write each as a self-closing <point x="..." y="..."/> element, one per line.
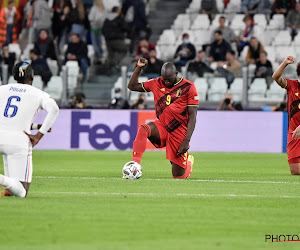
<point x="179" y="92"/>
<point x="163" y="89"/>
<point x="297" y="94"/>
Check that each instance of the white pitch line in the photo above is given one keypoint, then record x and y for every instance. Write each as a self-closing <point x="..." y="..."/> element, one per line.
<point x="174" y="195"/>
<point x="111" y="178"/>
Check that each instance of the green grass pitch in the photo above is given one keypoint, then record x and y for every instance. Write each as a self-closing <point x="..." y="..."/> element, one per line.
<point x="78" y="200"/>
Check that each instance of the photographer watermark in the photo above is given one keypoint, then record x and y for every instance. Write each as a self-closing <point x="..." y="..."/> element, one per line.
<point x="271" y="238"/>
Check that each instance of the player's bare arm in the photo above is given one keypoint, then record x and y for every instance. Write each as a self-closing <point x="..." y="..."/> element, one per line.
<point x="133" y="83"/>
<point x="277" y="75"/>
<point x="184" y="146"/>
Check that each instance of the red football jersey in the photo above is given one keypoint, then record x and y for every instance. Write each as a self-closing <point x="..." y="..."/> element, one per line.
<point x="293" y="106"/>
<point x="171" y="104"/>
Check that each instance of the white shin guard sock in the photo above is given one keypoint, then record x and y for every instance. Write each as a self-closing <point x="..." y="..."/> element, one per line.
<point x="14" y="186"/>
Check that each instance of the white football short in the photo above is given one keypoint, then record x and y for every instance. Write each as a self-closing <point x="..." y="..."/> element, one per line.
<point x="17" y="161"/>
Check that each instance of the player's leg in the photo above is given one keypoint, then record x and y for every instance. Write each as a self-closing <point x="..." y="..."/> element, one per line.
<point x="180" y="172"/>
<point x="181" y="164"/>
<point x="145" y="131"/>
<point x="19" y="171"/>
<point x="294" y="164"/>
<point x="6" y="192"/>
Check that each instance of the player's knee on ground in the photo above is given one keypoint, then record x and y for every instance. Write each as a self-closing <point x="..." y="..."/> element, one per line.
<point x="295" y="168"/>
<point x="178" y="172"/>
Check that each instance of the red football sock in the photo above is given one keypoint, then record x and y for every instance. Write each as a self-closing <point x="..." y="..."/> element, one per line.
<point x="187" y="171"/>
<point x="140" y="142"/>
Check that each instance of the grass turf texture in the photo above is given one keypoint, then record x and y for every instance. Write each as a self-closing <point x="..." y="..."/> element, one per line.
<point x="78" y="200"/>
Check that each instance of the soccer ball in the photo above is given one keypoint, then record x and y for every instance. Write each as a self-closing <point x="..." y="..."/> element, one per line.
<point x="132" y="170"/>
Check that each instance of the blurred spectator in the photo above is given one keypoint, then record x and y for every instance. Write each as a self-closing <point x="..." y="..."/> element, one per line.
<point x="228" y="33"/>
<point x="7" y="58"/>
<point x="219" y="48"/>
<point x="45" y="45"/>
<point x="140" y="103"/>
<point x="40" y="66"/>
<point x="114" y="30"/>
<point x="209" y="7"/>
<point x="255" y="47"/>
<point x="255" y="6"/>
<point x="154" y="65"/>
<point x="65" y="23"/>
<point x="118" y="101"/>
<point x="77" y="16"/>
<point x="77" y="51"/>
<point x="229" y="69"/>
<point x="228" y="104"/>
<point x="140" y="25"/>
<point x="9" y="18"/>
<point x="283" y="6"/>
<point x="78" y="101"/>
<point x="247" y="33"/>
<point x="96" y="17"/>
<point x="185" y="52"/>
<point x="42" y="17"/>
<point x="264" y="68"/>
<point x="292" y="20"/>
<point x="143" y="49"/>
<point x="200" y="65"/>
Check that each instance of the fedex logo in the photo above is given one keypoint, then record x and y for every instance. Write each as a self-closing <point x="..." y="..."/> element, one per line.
<point x="101" y="135"/>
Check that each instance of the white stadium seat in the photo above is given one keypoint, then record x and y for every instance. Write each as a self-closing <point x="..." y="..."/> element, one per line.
<point x="237" y="22"/>
<point x="167" y="37"/>
<point x="234" y="6"/>
<point x="37" y="82"/>
<point x="277" y="22"/>
<point x="201" y="86"/>
<point x="55" y="87"/>
<point x="201" y="22"/>
<point x="218" y="89"/>
<point x="283" y="38"/>
<point x="275" y="92"/>
<point x="283" y="51"/>
<point x="260" y="20"/>
<point x="257" y="90"/>
<point x="236" y="89"/>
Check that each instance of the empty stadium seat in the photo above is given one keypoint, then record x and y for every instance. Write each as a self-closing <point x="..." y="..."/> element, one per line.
<point x="55" y="87"/>
<point x="260" y="20"/>
<point x="234" y="6"/>
<point x="11" y="80"/>
<point x="37" y="82"/>
<point x="201" y="86"/>
<point x="218" y="89"/>
<point x="72" y="75"/>
<point x="167" y="37"/>
<point x="53" y="66"/>
<point x="275" y="92"/>
<point x="25" y="55"/>
<point x="237" y="22"/>
<point x="257" y="90"/>
<point x="236" y="89"/>
<point x="277" y="22"/>
<point x="201" y="22"/>
<point x="282" y="52"/>
<point x="181" y="23"/>
<point x="283" y="38"/>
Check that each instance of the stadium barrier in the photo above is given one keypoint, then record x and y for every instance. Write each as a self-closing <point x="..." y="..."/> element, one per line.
<point x="263" y="132"/>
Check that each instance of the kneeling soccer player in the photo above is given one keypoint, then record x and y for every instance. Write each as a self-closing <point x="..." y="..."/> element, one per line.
<point x="19" y="103"/>
<point x="293" y="107"/>
<point x="176" y="101"/>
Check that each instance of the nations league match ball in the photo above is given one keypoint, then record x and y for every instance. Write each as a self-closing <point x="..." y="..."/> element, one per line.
<point x="132" y="170"/>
